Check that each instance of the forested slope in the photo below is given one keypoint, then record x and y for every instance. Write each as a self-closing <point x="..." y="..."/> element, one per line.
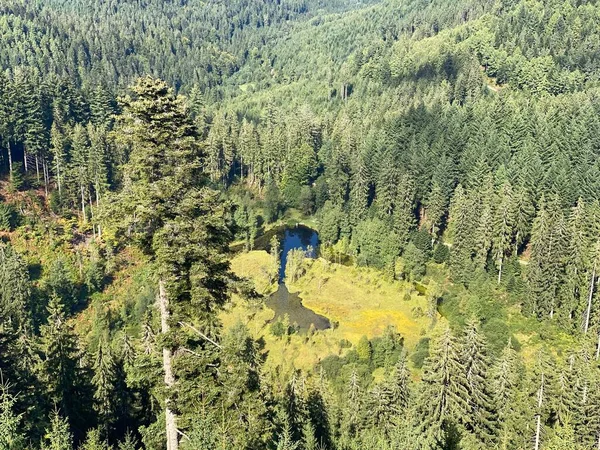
<point x="451" y="145"/>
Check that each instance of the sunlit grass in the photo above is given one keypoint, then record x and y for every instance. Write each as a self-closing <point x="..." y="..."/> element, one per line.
<point x="357" y="300"/>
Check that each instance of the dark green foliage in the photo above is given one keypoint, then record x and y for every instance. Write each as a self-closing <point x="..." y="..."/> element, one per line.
<point x="441" y="253"/>
<point x="414" y="262"/>
<point x="8" y="217"/>
<point x="420" y="353"/>
<point x="375" y="244"/>
<point x="461" y="132"/>
<point x="66" y="380"/>
<point x="272" y="203"/>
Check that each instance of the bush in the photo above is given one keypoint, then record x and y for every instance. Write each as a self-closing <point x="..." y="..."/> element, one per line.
<point x="417" y="312"/>
<point x="8" y="217"/>
<point x="421" y="353"/>
<point x="441" y="253"/>
<point x="422" y="240"/>
<point x="345" y="343"/>
<point x="278" y="329"/>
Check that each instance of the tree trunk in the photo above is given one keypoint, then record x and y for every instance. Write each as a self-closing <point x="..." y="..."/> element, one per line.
<point x="10" y="165"/>
<point x="37" y="167"/>
<point x="46" y="177"/>
<point x="58" y="178"/>
<point x="500" y="269"/>
<point x="537" y="431"/>
<point x="92" y="213"/>
<point x="170" y="417"/>
<point x="539" y="415"/>
<point x="83" y="203"/>
<point x="97" y="206"/>
<point x="25" y="159"/>
<point x="589" y="306"/>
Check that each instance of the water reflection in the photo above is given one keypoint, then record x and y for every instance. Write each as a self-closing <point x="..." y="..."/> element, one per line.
<point x="283" y="302"/>
<point x="297" y="237"/>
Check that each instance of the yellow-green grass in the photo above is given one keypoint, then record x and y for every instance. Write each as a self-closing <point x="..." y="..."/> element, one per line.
<point x="358" y="300"/>
<point x="256" y="266"/>
<point x="361" y="301"/>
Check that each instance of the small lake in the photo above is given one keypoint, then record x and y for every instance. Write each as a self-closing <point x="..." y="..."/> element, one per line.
<point x="297" y="237"/>
<point x="283" y="302"/>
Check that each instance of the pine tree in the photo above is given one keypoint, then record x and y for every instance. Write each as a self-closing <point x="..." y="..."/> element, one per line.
<point x="541" y="389"/>
<point x="15" y="288"/>
<point x="524" y="214"/>
<point x="57" y="148"/>
<point x="105" y="390"/>
<point x="129" y="443"/>
<point x="479" y="418"/>
<point x="404" y="220"/>
<point x="386" y="189"/>
<point x="359" y="193"/>
<point x="6" y="117"/>
<point x="545" y="269"/>
<point x="167" y="209"/>
<point x="444" y="396"/>
<point x="58" y="437"/>
<point x="564" y="438"/>
<point x="93" y="441"/>
<point x="102" y="107"/>
<point x="79" y="169"/>
<point x="66" y="381"/>
<point x="590" y="428"/>
<point x="435" y="208"/>
<point x="285" y="441"/>
<point x="506" y="375"/>
<point x="461" y="221"/>
<point x="309" y="439"/>
<point x="400" y="385"/>
<point x="10" y="434"/>
<point x="503" y="226"/>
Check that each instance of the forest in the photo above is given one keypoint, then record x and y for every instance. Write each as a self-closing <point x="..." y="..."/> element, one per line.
<point x="446" y="152"/>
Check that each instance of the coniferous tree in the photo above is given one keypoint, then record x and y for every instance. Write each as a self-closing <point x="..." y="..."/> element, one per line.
<point x="61" y="370"/>
<point x="443" y="399"/>
<point x="480" y="414"/>
<point x="506" y="375"/>
<point x="10" y="434"/>
<point x="169" y="211"/>
<point x="462" y="227"/>
<point x="105" y="390"/>
<point x="58" y="437"/>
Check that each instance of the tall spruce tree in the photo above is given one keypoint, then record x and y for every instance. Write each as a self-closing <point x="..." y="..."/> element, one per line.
<point x="481" y="413"/>
<point x="168" y="210"/>
<point x="443" y="399"/>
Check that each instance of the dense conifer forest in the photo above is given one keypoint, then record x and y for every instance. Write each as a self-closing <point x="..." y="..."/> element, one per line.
<point x="447" y="153"/>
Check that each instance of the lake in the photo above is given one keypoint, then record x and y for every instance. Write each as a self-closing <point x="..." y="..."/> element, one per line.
<point x="283" y="302"/>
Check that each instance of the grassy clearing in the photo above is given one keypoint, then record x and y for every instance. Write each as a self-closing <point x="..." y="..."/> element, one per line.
<point x="358" y="299"/>
<point x="361" y="301"/>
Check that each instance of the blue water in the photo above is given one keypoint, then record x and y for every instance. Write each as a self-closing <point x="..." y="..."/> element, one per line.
<point x="297" y="237"/>
<point x="283" y="302"/>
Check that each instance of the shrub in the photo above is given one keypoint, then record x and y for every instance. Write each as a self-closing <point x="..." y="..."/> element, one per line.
<point x="278" y="329"/>
<point x="8" y="217"/>
<point x="441" y="253"/>
<point x="421" y="352"/>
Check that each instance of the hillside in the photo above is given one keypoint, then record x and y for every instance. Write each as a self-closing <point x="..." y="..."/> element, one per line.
<point x="154" y="156"/>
